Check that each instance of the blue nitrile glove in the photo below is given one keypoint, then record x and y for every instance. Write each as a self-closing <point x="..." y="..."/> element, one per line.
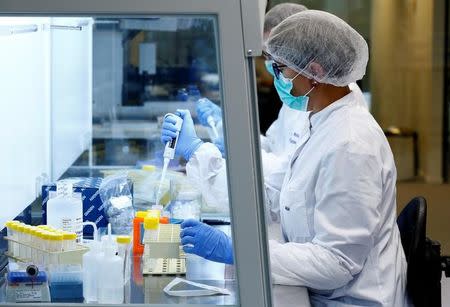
<point x="206" y="241"/>
<point x="188" y="141"/>
<point x="205" y="108"/>
<point x="219" y="144"/>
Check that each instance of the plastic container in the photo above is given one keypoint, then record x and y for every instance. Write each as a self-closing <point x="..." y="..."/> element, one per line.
<point x="66" y="283"/>
<point x="65" y="210"/>
<point x="164" y="220"/>
<point x="21" y="287"/>
<point x="138" y="232"/>
<point x="21" y="238"/>
<point x="40" y="245"/>
<point x="151" y="226"/>
<point x="124" y="251"/>
<point x="111" y="280"/>
<point x="27" y="240"/>
<point x="11" y="233"/>
<point x="34" y="243"/>
<point x="91" y="263"/>
<point x="56" y="243"/>
<point x="69" y="241"/>
<point x="187" y="205"/>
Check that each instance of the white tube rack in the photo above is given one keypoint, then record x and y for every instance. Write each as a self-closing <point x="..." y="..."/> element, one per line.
<point x="164" y="255"/>
<point x="41" y="256"/>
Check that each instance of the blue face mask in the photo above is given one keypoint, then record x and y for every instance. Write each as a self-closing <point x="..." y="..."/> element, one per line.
<point x="284" y="86"/>
<point x="269" y="67"/>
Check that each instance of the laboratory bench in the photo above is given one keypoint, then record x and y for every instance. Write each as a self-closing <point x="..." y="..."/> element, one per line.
<point x="148" y="289"/>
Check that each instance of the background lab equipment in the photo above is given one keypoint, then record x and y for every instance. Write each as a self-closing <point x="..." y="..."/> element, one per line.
<point x="86" y="92"/>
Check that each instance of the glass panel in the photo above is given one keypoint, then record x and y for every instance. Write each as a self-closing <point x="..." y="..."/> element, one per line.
<point x="92" y="94"/>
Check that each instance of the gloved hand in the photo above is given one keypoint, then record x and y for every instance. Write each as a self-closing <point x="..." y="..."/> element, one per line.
<point x="219" y="144"/>
<point x="205" y="108"/>
<point x="206" y="241"/>
<point x="188" y="141"/>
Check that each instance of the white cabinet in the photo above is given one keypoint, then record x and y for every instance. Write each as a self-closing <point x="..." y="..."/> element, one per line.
<point x="45" y="100"/>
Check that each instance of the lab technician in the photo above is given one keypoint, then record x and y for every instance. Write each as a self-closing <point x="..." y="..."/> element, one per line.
<point x="337" y="201"/>
<point x="207" y="169"/>
<point x="277" y="146"/>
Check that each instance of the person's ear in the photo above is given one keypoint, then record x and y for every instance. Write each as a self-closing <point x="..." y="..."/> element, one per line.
<point x="317" y="70"/>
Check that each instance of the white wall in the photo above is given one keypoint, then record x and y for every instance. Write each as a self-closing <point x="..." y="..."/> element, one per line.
<point x="24" y="124"/>
<point x="45" y="105"/>
<point x="71" y="71"/>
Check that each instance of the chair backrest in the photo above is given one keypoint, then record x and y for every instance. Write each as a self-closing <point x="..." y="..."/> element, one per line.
<point x="412" y="225"/>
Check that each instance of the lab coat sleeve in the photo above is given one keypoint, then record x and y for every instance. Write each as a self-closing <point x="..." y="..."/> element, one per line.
<point x="265" y="142"/>
<point x="271" y="133"/>
<point x="346" y="217"/>
<point x="274" y="169"/>
<point x="207" y="170"/>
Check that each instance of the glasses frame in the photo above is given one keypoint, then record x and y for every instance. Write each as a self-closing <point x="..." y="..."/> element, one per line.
<point x="277" y="69"/>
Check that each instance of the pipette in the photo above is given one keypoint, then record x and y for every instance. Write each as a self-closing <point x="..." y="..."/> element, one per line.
<point x="210" y="120"/>
<point x="169" y="152"/>
<point x="212" y="124"/>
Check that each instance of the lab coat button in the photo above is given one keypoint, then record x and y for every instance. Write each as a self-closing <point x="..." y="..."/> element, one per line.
<point x="287" y="208"/>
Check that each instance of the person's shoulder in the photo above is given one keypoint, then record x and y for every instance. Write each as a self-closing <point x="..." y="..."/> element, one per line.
<point x="356" y="129"/>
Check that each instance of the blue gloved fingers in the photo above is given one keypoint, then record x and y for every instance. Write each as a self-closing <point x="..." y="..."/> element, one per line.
<point x="189" y="249"/>
<point x="202" y="107"/>
<point x="190" y="231"/>
<point x="203" y="117"/>
<point x="183" y="113"/>
<point x="190" y="223"/>
<point x="188" y="240"/>
<point x="165" y="139"/>
<point x="168" y="133"/>
<point x="169" y="126"/>
<point x="205" y="108"/>
<point x="188" y="141"/>
<point x="171" y="119"/>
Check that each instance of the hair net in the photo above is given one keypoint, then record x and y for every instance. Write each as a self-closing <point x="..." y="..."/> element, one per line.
<point x="280" y="12"/>
<point x="315" y="37"/>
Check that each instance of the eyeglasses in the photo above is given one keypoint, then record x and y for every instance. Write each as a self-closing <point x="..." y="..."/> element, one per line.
<point x="277" y="69"/>
<point x="266" y="55"/>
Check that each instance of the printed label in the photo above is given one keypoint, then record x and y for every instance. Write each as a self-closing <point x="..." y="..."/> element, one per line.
<point x="28" y="295"/>
<point x="73" y="226"/>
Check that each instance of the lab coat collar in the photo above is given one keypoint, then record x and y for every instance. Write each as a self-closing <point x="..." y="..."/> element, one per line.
<point x="316" y="119"/>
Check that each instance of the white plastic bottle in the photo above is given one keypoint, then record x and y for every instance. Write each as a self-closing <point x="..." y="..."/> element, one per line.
<point x="111" y="282"/>
<point x="124" y="251"/>
<point x="65" y="211"/>
<point x="91" y="262"/>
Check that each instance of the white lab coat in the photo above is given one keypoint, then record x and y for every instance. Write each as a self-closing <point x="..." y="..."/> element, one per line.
<point x="207" y="170"/>
<point x="280" y="143"/>
<point x="338" y="209"/>
<point x="338" y="213"/>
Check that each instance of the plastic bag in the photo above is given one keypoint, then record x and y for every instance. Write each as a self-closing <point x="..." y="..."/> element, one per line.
<point x="115" y="192"/>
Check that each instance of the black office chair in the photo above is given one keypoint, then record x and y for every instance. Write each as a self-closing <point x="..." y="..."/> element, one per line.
<point x="412" y="223"/>
<point x="423" y="255"/>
